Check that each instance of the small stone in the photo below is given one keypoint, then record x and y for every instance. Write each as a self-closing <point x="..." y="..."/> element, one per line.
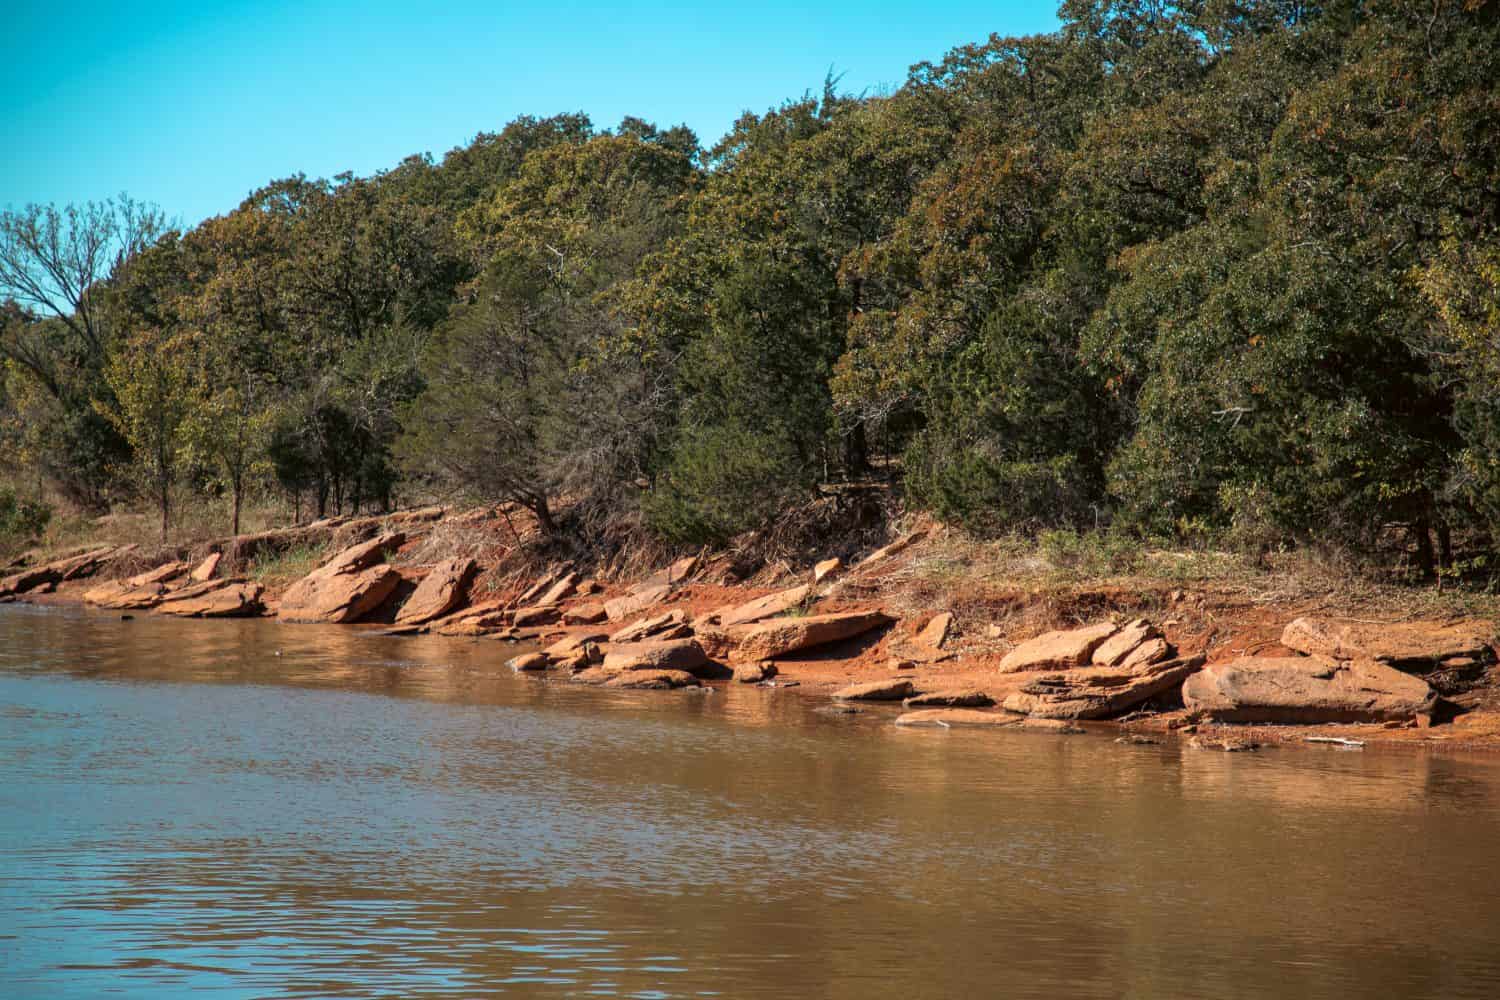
<point x="754" y="673"/>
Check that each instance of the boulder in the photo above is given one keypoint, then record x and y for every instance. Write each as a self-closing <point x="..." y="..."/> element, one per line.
<point x="205" y="570"/>
<point x="71" y="567"/>
<point x="1051" y="726"/>
<point x="887" y="690"/>
<point x="935" y="632"/>
<point x="635" y="603"/>
<point x="591" y="613"/>
<point x="442" y="591"/>
<point x="1306" y="690"/>
<point x="121" y="596"/>
<point x="213" y="599"/>
<point x="1150" y="651"/>
<point x="762" y="607"/>
<point x="677" y="654"/>
<point x="675" y="573"/>
<point x="362" y="556"/>
<point x="672" y="621"/>
<point x="652" y="680"/>
<point x="338" y="598"/>
<point x="593" y="675"/>
<point x="571" y="645"/>
<point x="540" y="614"/>
<point x="1412" y="646"/>
<point x="1112" y="651"/>
<point x="827" y="568"/>
<point x="562" y="588"/>
<point x="754" y="673"/>
<point x="771" y="639"/>
<point x="1099" y="693"/>
<point x="953" y="698"/>
<point x="1057" y="650"/>
<point x="528" y="661"/>
<point x="947" y="717"/>
<point x="477" y="619"/>
<point x="161" y="574"/>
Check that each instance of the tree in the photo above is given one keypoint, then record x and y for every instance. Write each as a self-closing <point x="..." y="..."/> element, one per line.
<point x="152" y="383"/>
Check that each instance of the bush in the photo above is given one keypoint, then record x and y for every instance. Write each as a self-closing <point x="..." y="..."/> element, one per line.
<point x="722" y="481"/>
<point x="21" y="520"/>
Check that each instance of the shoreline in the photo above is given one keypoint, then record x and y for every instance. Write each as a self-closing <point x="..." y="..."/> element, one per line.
<point x="926" y="641"/>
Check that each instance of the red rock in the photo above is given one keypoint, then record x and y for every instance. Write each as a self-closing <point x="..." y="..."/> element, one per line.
<point x="935" y="632"/>
<point x="205" y="570"/>
<point x="678" y="654"/>
<point x="214" y="599"/>
<point x="754" y="673"/>
<point x="1410" y="645"/>
<point x="959" y="698"/>
<point x="562" y="588"/>
<point x="827" y="568"/>
<point x="946" y="717"/>
<point x="161" y="574"/>
<point x="571" y="645"/>
<point x="888" y="690"/>
<point x="1150" y="651"/>
<point x="761" y="607"/>
<point x="1112" y="651"/>
<point x="781" y="636"/>
<point x="631" y="604"/>
<point x="538" y="615"/>
<point x="1099" y="693"/>
<point x="678" y="572"/>
<point x="584" y="614"/>
<point x="528" y="661"/>
<point x="1057" y="650"/>
<point x="442" y="591"/>
<point x="120" y="595"/>
<point x="648" y="627"/>
<point x="1306" y="690"/>
<point x="338" y="598"/>
<point x="899" y="545"/>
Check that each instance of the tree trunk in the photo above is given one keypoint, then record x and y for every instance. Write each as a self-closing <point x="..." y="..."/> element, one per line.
<point x="543" y="515"/>
<point x="235" y="528"/>
<point x="164" y="506"/>
<point x="1425" y="556"/>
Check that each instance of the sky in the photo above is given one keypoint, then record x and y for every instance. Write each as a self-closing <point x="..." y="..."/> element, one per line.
<point x="192" y="105"/>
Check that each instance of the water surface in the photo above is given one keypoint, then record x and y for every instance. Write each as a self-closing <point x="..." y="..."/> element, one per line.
<point x="240" y="809"/>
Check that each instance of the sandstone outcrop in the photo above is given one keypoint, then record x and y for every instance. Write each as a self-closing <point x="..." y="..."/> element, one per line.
<point x="205" y="570"/>
<point x="677" y="654"/>
<point x="213" y="599"/>
<point x="652" y="680"/>
<point x="636" y="602"/>
<point x="761" y="608"/>
<point x="946" y="717"/>
<point x="957" y="698"/>
<point x="442" y="591"/>
<point x="1306" y="690"/>
<point x="887" y="690"/>
<point x="1058" y="650"/>
<point x="1411" y="646"/>
<point x="781" y="636"/>
<point x="1099" y="693"/>
<point x="346" y="588"/>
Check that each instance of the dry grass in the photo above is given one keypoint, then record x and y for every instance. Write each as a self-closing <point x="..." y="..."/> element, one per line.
<point x="279" y="569"/>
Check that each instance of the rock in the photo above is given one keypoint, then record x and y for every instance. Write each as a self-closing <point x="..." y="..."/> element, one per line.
<point x="528" y="597"/>
<point x="593" y="675"/>
<point x="839" y="708"/>
<point x="441" y="592"/>
<point x="541" y="614"/>
<point x="214" y="599"/>
<point x="771" y="639"/>
<point x="827" y="568"/>
<point x="1112" y="651"/>
<point x="1413" y="646"/>
<point x="897" y="663"/>
<point x="899" y="545"/>
<point x="364" y="555"/>
<point x="479" y="619"/>
<point x="675" y="573"/>
<point x="754" y="673"/>
<point x="528" y="661"/>
<point x="161" y="574"/>
<point x="584" y="614"/>
<point x="959" y="698"/>
<point x="994" y="632"/>
<point x="631" y="604"/>
<point x="762" y="607"/>
<point x="1306" y="690"/>
<point x="678" y="654"/>
<point x="647" y="627"/>
<point x="1052" y="726"/>
<point x="957" y="717"/>
<point x="1137" y="739"/>
<point x="572" y="645"/>
<point x="119" y="595"/>
<point x="935" y="632"/>
<point x="339" y="597"/>
<point x="889" y="690"/>
<point x="1057" y="650"/>
<point x="70" y="567"/>
<point x="1225" y="742"/>
<point x="562" y="588"/>
<point x="1150" y="651"/>
<point x="652" y="680"/>
<point x="205" y="570"/>
<point x="1099" y="693"/>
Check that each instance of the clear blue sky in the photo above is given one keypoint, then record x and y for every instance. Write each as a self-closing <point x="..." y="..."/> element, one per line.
<point x="193" y="105"/>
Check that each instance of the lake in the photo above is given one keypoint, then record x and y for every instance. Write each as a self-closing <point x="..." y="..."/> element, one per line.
<point x="245" y="809"/>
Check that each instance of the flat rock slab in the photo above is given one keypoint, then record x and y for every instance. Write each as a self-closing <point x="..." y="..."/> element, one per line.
<point x="889" y="690"/>
<point x="754" y="673"/>
<point x="442" y="591"/>
<point x="782" y="636"/>
<point x="591" y="613"/>
<point x="562" y="588"/>
<point x="1113" y="651"/>
<point x="647" y="627"/>
<point x="204" y="571"/>
<point x="946" y="717"/>
<point x="528" y="661"/>
<point x="339" y="598"/>
<point x="678" y="654"/>
<point x="214" y="599"/>
<point x="1058" y="650"/>
<point x="1416" y="646"/>
<point x="1101" y="692"/>
<point x="827" y="568"/>
<point x="935" y="632"/>
<point x="161" y="574"/>
<point x="653" y="680"/>
<point x="632" y="604"/>
<point x="1306" y="690"/>
<point x="120" y="595"/>
<point x="675" y="573"/>
<point x="762" y="607"/>
<point x="960" y="698"/>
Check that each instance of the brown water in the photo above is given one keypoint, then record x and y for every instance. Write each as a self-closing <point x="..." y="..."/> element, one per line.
<point x="183" y="811"/>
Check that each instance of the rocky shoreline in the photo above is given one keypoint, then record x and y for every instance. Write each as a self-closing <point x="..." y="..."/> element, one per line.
<point x="830" y="634"/>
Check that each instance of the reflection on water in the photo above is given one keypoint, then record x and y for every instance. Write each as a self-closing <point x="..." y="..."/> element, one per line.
<point x="184" y="810"/>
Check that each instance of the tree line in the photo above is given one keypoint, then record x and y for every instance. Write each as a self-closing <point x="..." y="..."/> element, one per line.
<point x="1217" y="268"/>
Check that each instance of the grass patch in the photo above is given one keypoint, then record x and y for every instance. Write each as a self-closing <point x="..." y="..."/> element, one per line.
<point x="277" y="569"/>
